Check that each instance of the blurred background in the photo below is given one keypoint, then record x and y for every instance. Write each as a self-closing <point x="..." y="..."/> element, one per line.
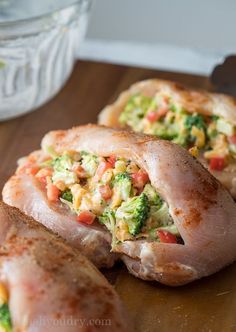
<point x="41" y="40"/>
<point x="182" y="35"/>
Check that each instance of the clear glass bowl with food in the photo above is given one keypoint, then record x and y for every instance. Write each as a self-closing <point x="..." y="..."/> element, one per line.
<point x="38" y="45"/>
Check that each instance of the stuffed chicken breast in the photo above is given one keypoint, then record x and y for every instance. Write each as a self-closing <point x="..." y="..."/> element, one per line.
<point x="166" y="216"/>
<point x="37" y="190"/>
<point x="202" y="122"/>
<point x="45" y="285"/>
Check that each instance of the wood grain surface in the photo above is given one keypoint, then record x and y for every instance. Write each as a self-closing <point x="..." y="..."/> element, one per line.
<point x="208" y="305"/>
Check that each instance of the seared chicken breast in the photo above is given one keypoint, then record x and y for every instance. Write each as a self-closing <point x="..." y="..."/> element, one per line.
<point x="204" y="123"/>
<point x="45" y="285"/>
<point x="158" y="208"/>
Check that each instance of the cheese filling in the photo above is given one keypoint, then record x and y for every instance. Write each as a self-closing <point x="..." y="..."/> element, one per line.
<point x="112" y="191"/>
<point x="213" y="136"/>
<point x="5" y="317"/>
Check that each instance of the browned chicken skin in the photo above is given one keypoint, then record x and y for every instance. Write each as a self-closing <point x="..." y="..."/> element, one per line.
<point x="51" y="286"/>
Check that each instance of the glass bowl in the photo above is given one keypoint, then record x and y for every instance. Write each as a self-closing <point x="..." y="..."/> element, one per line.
<point x="38" y="45"/>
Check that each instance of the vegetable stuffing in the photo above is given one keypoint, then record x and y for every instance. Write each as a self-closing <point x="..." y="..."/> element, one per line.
<point x="112" y="191"/>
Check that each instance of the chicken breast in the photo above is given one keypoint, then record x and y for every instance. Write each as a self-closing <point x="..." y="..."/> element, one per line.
<point x="51" y="286"/>
<point x="24" y="192"/>
<point x="200" y="210"/>
<point x="193" y="100"/>
<point x="217" y="152"/>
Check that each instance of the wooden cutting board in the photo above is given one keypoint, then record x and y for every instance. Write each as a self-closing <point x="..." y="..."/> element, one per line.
<point x="208" y="305"/>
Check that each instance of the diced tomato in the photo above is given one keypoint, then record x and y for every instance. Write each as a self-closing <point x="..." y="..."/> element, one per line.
<point x="42" y="174"/>
<point x="79" y="170"/>
<point x="153" y="116"/>
<point x="232" y="139"/>
<point x="86" y="217"/>
<point x="217" y="163"/>
<point x="105" y="191"/>
<point x="52" y="192"/>
<point x="29" y="168"/>
<point x="112" y="160"/>
<point x="32" y="170"/>
<point x="166" y="237"/>
<point x="140" y="179"/>
<point x="156" y="115"/>
<point x="102" y="167"/>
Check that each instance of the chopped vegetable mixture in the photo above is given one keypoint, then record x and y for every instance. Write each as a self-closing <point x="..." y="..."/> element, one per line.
<point x="5" y="317"/>
<point x="112" y="191"/>
<point x="212" y="136"/>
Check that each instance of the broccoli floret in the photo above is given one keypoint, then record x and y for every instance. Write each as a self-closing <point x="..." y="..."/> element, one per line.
<point x="5" y="318"/>
<point x="159" y="211"/>
<point x="213" y="133"/>
<point x="153" y="197"/>
<point x="62" y="170"/>
<point x="62" y="163"/>
<point x="122" y="176"/>
<point x="215" y="117"/>
<point x="134" y="212"/>
<point x="160" y="215"/>
<point x="182" y="140"/>
<point x="108" y="219"/>
<point x="67" y="195"/>
<point x="195" y="120"/>
<point x="173" y="108"/>
<point x="176" y="109"/>
<point x="122" y="185"/>
<point x="160" y="218"/>
<point x="89" y="163"/>
<point x="135" y="110"/>
<point x="164" y="131"/>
